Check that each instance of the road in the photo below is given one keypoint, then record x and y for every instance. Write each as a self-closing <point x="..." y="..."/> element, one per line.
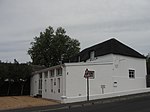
<point x="133" y="105"/>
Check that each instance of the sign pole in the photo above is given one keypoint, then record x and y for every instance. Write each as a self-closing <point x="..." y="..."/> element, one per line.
<point x="88" y="74"/>
<point x="87" y="88"/>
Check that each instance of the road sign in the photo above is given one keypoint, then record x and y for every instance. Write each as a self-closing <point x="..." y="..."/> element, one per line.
<point x="89" y="74"/>
<point x="86" y="73"/>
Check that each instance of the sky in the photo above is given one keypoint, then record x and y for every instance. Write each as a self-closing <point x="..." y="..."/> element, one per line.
<point x="89" y="21"/>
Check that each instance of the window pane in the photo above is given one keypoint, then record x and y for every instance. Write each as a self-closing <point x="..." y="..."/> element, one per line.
<point x="40" y="84"/>
<point x="46" y="74"/>
<point x="58" y="85"/>
<point x="45" y="86"/>
<point x="51" y="73"/>
<point x="40" y="75"/>
<point x="51" y="85"/>
<point x="131" y="73"/>
<point x="59" y="71"/>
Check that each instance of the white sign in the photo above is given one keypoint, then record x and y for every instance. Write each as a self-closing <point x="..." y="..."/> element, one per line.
<point x="89" y="74"/>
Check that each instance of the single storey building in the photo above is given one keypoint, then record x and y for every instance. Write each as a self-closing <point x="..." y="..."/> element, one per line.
<point x="116" y="68"/>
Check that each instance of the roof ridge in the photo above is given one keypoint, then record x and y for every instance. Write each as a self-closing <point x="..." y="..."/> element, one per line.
<point x="111" y="46"/>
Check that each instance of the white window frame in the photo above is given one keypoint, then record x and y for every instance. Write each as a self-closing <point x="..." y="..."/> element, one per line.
<point x="131" y="73"/>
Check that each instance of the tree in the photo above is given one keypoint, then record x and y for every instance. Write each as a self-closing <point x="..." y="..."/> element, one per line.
<point x="50" y="48"/>
<point x="14" y="73"/>
<point x="23" y="74"/>
<point x="3" y="73"/>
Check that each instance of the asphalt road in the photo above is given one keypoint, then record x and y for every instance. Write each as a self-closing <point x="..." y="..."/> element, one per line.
<point x="131" y="105"/>
<point x="134" y="105"/>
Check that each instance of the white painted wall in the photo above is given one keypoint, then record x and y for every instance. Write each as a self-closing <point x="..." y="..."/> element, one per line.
<point x="108" y="69"/>
<point x="76" y="83"/>
<point x="101" y="59"/>
<point x="107" y="95"/>
<point x="106" y="73"/>
<point x="48" y="83"/>
<point x="47" y="93"/>
<point x="121" y="67"/>
<point x="34" y="85"/>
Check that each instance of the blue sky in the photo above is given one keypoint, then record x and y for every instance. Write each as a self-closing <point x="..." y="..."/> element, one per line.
<point x="89" y="21"/>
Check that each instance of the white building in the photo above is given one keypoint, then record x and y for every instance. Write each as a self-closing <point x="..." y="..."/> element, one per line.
<point x="117" y="68"/>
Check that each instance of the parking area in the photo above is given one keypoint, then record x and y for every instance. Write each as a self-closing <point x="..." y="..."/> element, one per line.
<point x="13" y="102"/>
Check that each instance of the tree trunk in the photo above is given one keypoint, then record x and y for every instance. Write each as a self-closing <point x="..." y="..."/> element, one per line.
<point x="8" y="88"/>
<point x="1" y="83"/>
<point x="22" y="87"/>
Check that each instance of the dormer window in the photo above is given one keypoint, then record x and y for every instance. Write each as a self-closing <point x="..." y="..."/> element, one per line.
<point x="92" y="55"/>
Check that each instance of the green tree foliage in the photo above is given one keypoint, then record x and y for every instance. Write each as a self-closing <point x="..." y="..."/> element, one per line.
<point x="14" y="73"/>
<point x="51" y="47"/>
<point x="3" y="73"/>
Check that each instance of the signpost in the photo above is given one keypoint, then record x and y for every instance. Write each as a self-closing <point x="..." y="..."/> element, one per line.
<point x="88" y="74"/>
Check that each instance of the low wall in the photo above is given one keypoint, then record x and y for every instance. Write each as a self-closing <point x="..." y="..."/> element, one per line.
<point x="103" y="96"/>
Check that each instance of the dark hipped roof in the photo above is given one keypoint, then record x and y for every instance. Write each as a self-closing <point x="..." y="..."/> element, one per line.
<point x="111" y="46"/>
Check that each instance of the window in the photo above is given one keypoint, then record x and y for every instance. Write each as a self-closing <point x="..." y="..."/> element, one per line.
<point x="51" y="85"/>
<point x="132" y="74"/>
<point x="59" y="72"/>
<point x="40" y="84"/>
<point x="40" y="75"/>
<point x="115" y="84"/>
<point x="45" y="86"/>
<point x="54" y="82"/>
<point x="51" y="73"/>
<point x="58" y="85"/>
<point x="45" y="74"/>
<point x="92" y="56"/>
